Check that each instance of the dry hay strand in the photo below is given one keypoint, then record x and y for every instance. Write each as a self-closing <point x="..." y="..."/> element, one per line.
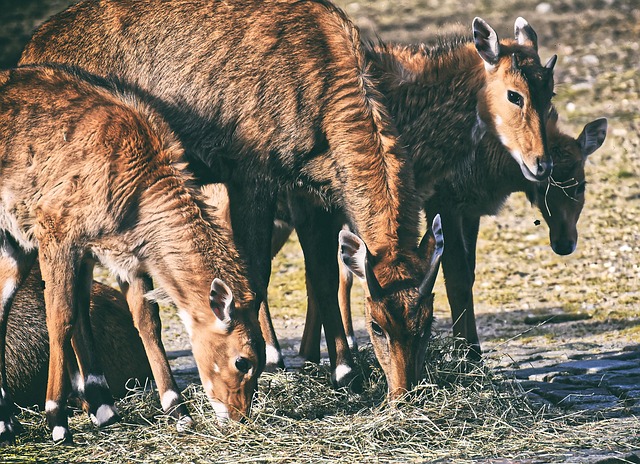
<point x="462" y="411"/>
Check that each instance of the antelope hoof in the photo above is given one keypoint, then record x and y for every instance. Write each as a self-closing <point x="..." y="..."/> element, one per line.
<point x="344" y="376"/>
<point x="184" y="424"/>
<point x="106" y="414"/>
<point x="62" y="435"/>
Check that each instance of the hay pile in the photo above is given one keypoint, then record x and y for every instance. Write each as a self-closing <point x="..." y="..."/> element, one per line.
<point x="460" y="412"/>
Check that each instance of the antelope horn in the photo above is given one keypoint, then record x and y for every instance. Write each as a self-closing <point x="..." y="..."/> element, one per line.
<point x="552" y="62"/>
<point x="432" y="272"/>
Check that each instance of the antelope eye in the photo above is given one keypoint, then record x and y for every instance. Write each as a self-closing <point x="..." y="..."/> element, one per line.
<point x="377" y="329"/>
<point x="515" y="98"/>
<point x="243" y="365"/>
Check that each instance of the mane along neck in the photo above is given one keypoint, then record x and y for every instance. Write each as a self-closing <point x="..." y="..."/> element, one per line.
<point x="188" y="247"/>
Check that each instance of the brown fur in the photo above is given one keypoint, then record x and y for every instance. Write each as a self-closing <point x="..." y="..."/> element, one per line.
<point x="119" y="347"/>
<point x="481" y="190"/>
<point x="90" y="172"/>
<point x="264" y="95"/>
<point x="443" y="100"/>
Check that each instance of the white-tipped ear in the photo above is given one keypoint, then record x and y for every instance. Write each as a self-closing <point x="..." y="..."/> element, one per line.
<point x="592" y="136"/>
<point x="221" y="301"/>
<point x="524" y="33"/>
<point x="486" y="41"/>
<point x="355" y="256"/>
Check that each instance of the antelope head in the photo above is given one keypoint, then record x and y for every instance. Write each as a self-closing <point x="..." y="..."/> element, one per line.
<point x="230" y="353"/>
<point x="561" y="198"/>
<point x="398" y="316"/>
<point x="517" y="95"/>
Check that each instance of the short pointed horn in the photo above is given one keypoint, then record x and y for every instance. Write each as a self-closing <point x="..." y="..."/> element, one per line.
<point x="552" y="62"/>
<point x="375" y="289"/>
<point x="432" y="272"/>
<point x="514" y="61"/>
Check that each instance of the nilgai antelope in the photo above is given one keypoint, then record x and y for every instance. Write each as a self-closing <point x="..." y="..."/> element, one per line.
<point x="480" y="191"/>
<point x="90" y="173"/>
<point x="444" y="99"/>
<point x="118" y="345"/>
<point x="267" y="95"/>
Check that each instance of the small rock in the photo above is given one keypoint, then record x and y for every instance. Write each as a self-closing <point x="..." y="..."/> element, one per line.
<point x="590" y="60"/>
<point x="570" y="107"/>
<point x="543" y="8"/>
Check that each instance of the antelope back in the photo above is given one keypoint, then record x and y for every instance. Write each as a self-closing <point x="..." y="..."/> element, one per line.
<point x="517" y="96"/>
<point x="398" y="316"/>
<point x="562" y="197"/>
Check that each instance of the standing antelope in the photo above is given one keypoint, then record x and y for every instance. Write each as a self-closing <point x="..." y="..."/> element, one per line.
<point x="444" y="99"/>
<point x="90" y="173"/>
<point x="482" y="190"/>
<point x="118" y="344"/>
<point x="266" y="95"/>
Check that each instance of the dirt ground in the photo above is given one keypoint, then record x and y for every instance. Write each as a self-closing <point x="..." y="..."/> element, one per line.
<point x="518" y="275"/>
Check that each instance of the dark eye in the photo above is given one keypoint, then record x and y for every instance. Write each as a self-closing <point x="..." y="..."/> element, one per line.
<point x="243" y="365"/>
<point x="377" y="329"/>
<point x="581" y="188"/>
<point x="515" y="98"/>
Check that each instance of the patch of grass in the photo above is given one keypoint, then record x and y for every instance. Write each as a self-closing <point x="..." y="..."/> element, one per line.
<point x="460" y="412"/>
<point x="624" y="174"/>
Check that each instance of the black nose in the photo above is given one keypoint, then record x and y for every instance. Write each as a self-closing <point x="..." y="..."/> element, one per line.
<point x="563" y="247"/>
<point x="543" y="169"/>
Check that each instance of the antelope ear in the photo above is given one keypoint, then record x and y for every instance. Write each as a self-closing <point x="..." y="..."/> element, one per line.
<point x="356" y="257"/>
<point x="486" y="41"/>
<point x="221" y="301"/>
<point x="426" y="287"/>
<point x="592" y="136"/>
<point x="524" y="33"/>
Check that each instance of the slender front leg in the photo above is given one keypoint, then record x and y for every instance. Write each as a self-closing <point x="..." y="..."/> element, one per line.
<point x="146" y="318"/>
<point x="94" y="386"/>
<point x="311" y="337"/>
<point x="318" y="233"/>
<point x="59" y="266"/>
<point x="310" y="343"/>
<point x="459" y="280"/>
<point x="252" y="205"/>
<point x="15" y="264"/>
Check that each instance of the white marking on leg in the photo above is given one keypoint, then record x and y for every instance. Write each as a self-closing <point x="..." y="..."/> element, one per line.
<point x="222" y="413"/>
<point x="77" y="383"/>
<point x="51" y="406"/>
<point x="5" y="427"/>
<point x="351" y="340"/>
<point x="59" y="433"/>
<point x="103" y="415"/>
<point x="184" y="423"/>
<point x="169" y="399"/>
<point x="342" y="370"/>
<point x="96" y="380"/>
<point x="273" y="354"/>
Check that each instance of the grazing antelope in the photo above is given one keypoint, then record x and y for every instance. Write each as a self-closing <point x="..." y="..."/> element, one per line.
<point x="267" y="95"/>
<point x="118" y="345"/>
<point x="88" y="172"/>
<point x="444" y="99"/>
<point x="480" y="191"/>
